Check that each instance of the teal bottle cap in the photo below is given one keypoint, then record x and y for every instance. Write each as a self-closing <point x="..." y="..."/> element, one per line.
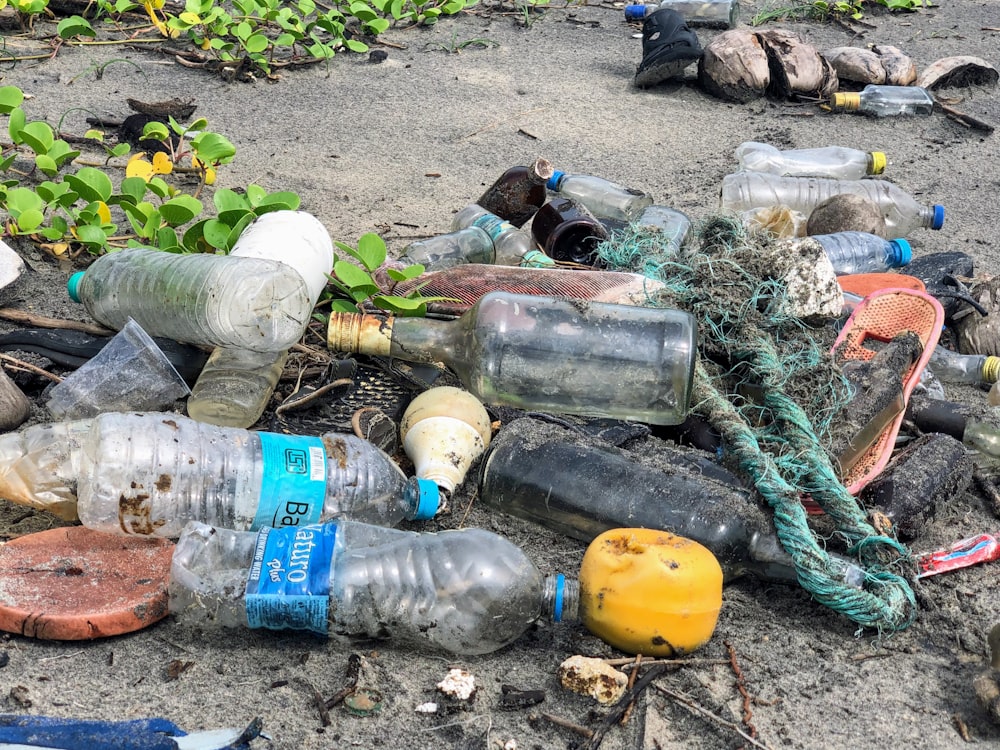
<point x="938" y="217"/>
<point x="553" y="182"/>
<point x="73" y="286"/>
<point x="902" y="252"/>
<point x="428" y="496"/>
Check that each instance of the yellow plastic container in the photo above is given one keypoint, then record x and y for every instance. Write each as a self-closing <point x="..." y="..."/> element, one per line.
<point x="650" y="592"/>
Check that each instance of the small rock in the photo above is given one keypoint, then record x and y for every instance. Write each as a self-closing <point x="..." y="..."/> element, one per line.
<point x="593" y="677"/>
<point x="427" y="708"/>
<point x="458" y="684"/>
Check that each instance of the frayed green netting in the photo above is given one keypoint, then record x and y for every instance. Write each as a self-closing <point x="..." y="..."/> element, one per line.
<point x="767" y="382"/>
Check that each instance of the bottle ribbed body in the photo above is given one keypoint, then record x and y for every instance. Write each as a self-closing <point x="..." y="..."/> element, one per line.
<point x="743" y="191"/>
<point x="952" y="367"/>
<point x="216" y="300"/>
<point x="149" y="474"/>
<point x="513" y="246"/>
<point x="518" y="193"/>
<point x="553" y="354"/>
<point x="603" y="198"/>
<point x="469" y="245"/>
<point x="235" y="385"/>
<point x="464" y="591"/>
<point x="835" y="162"/>
<point x="861" y="252"/>
<point x="544" y="474"/>
<point x="887" y="101"/>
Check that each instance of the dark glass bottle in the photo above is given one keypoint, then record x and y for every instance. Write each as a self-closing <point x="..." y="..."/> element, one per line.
<point x="518" y="193"/>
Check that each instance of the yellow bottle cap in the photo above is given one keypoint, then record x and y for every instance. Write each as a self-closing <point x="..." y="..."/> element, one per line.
<point x="848" y="101"/>
<point x="876" y="162"/>
<point x="991" y="369"/>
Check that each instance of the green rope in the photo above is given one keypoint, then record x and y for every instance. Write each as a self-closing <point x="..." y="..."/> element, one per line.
<point x="772" y="371"/>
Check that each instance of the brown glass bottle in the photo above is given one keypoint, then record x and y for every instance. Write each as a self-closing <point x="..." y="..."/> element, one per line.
<point x="518" y="193"/>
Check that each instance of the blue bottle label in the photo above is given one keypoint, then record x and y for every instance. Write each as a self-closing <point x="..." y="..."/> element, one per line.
<point x="289" y="583"/>
<point x="293" y="485"/>
<point x="493" y="225"/>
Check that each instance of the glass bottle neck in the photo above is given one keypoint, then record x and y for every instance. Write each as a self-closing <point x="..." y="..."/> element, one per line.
<point x="424" y="340"/>
<point x="561" y="599"/>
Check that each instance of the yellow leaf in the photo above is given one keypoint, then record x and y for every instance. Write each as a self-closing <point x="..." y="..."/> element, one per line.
<point x="104" y="212"/>
<point x="55" y="248"/>
<point x="190" y="18"/>
<point x="138" y="167"/>
<point x="162" y="163"/>
<point x="206" y="43"/>
<point x="209" y="176"/>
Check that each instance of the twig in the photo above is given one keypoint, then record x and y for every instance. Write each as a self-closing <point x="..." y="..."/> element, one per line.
<point x="741" y="686"/>
<point x="622" y="706"/>
<point x="324" y="713"/>
<point x="500" y="122"/>
<point x="18" y="364"/>
<point x="963" y="119"/>
<point x="648" y="661"/>
<point x="631" y="683"/>
<point x="352" y="674"/>
<point x="691" y="705"/>
<point x="43" y="321"/>
<point x="567" y="724"/>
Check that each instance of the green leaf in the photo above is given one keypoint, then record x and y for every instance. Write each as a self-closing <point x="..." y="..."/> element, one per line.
<point x="180" y="210"/>
<point x="343" y="305"/>
<point x="121" y="149"/>
<point x="256" y="43"/>
<point x="410" y="272"/>
<point x="351" y="275"/>
<point x="155" y="131"/>
<point x="10" y="98"/>
<point x="376" y="26"/>
<point x="371" y="250"/>
<point x="355" y="46"/>
<point x="166" y="239"/>
<point x="212" y="148"/>
<point x="21" y="199"/>
<point x="30" y="220"/>
<point x="281" y="201"/>
<point x="139" y="216"/>
<point x="38" y="136"/>
<point x="361" y="293"/>
<point x="401" y="305"/>
<point x="61" y="152"/>
<point x="255" y="194"/>
<point x="75" y="26"/>
<point x="16" y="124"/>
<point x="47" y="164"/>
<point x="229" y="200"/>
<point x="133" y="188"/>
<point x="158" y="187"/>
<point x="194" y="238"/>
<point x="237" y="230"/>
<point x="91" y="234"/>
<point x="91" y="184"/>
<point x="215" y="234"/>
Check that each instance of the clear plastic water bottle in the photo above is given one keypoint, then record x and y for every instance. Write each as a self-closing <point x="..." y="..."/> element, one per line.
<point x="513" y="246"/>
<point x="835" y="162"/>
<point x="547" y="353"/>
<point x="744" y="191"/>
<point x="469" y="245"/>
<point x="886" y="101"/>
<point x="466" y="591"/>
<point x="695" y="12"/>
<point x="603" y="198"/>
<point x="235" y="385"/>
<point x="861" y="252"/>
<point x="217" y="300"/>
<point x="151" y="473"/>
<point x="952" y="367"/>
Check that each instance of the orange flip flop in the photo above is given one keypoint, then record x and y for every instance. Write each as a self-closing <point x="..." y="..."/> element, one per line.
<point x="879" y="317"/>
<point x="863" y="284"/>
<point x="74" y="584"/>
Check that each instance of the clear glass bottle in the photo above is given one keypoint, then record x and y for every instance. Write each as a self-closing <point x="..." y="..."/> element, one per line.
<point x="218" y="300"/>
<point x="235" y="385"/>
<point x="469" y="245"/>
<point x="149" y="474"/>
<point x="518" y="193"/>
<point x="547" y="353"/>
<point x="861" y="252"/>
<point x="513" y="246"/>
<point x="604" y="199"/>
<point x="695" y="12"/>
<point x="744" y="191"/>
<point x="545" y="474"/>
<point x="951" y="367"/>
<point x="835" y="162"/>
<point x="886" y="101"/>
<point x="464" y="591"/>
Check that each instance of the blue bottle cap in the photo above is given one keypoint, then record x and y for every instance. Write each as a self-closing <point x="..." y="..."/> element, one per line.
<point x="635" y="12"/>
<point x="557" y="602"/>
<point x="938" y="217"/>
<point x="73" y="286"/>
<point x="427" y="498"/>
<point x="902" y="253"/>
<point x="553" y="181"/>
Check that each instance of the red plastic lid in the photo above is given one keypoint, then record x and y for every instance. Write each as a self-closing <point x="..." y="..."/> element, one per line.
<point x="76" y="584"/>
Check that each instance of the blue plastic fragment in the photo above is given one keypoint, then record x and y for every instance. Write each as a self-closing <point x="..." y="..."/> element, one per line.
<point x="53" y="733"/>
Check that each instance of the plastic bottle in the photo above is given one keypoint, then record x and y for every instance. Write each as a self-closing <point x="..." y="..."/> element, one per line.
<point x="952" y="367"/>
<point x="518" y="193"/>
<point x="548" y="475"/>
<point x="235" y="385"/>
<point x="218" y="300"/>
<point x="886" y="101"/>
<point x="547" y="353"/>
<point x="695" y="12"/>
<point x="743" y="191"/>
<point x="604" y="199"/>
<point x="835" y="162"/>
<point x="469" y="245"/>
<point x="671" y="226"/>
<point x="861" y="252"/>
<point x="466" y="591"/>
<point x="152" y="473"/>
<point x="513" y="246"/>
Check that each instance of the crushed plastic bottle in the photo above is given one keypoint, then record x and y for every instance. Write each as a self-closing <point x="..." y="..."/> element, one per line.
<point x="465" y="591"/>
<point x="886" y="101"/>
<point x="835" y="162"/>
<point x="547" y="353"/>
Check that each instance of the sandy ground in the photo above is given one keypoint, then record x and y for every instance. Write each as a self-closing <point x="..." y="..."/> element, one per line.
<point x="397" y="147"/>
